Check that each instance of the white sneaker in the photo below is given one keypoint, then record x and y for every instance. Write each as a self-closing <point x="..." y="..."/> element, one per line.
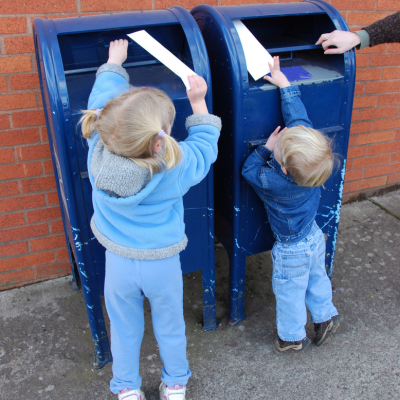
<point x="131" y="394"/>
<point x="177" y="392"/>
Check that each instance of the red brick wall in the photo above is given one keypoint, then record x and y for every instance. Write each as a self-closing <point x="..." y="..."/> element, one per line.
<point x="32" y="243"/>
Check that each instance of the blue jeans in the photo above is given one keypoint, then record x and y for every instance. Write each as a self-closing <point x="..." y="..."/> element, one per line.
<point x="127" y="282"/>
<point x="299" y="279"/>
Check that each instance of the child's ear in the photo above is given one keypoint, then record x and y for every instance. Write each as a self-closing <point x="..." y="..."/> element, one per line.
<point x="158" y="146"/>
<point x="284" y="170"/>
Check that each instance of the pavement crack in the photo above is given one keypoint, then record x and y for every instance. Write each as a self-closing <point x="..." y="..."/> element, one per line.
<point x="384" y="208"/>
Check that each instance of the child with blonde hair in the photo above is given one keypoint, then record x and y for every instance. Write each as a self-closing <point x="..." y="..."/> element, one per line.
<point x="139" y="174"/>
<point x="287" y="173"/>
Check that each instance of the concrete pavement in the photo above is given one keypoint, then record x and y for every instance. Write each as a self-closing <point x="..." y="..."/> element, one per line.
<point x="46" y="350"/>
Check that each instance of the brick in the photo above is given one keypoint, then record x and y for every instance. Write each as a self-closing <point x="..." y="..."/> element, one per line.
<point x="385" y="99"/>
<point x="115" y="5"/>
<point x="354" y="4"/>
<point x="22" y="202"/>
<point x="24" y="232"/>
<point x="53" y="270"/>
<point x="386" y="124"/>
<point x="371" y="161"/>
<point x="364" y="101"/>
<point x="353" y="175"/>
<point x="388" y="5"/>
<point x="395" y="178"/>
<point x="3" y="84"/>
<point x="346" y="187"/>
<point x="352" y="141"/>
<point x="382" y="148"/>
<point x="10" y="279"/>
<point x="9" y="65"/>
<point x="48" y="167"/>
<point x="364" y="18"/>
<point x="37" y="7"/>
<point x="395" y="157"/>
<point x="391" y="73"/>
<point x="19" y="45"/>
<point x="375" y="137"/>
<point x="19" y="100"/>
<point x="9" y="220"/>
<point x="20" y="170"/>
<point x="384" y="59"/>
<point x="12" y="24"/>
<point x="355" y="115"/>
<point x="382" y="87"/>
<point x="362" y="60"/>
<point x="349" y="165"/>
<point x="28" y="118"/>
<point x="12" y="249"/>
<point x="19" y="136"/>
<point x="360" y="127"/>
<point x="24" y="81"/>
<point x="57" y="227"/>
<point x="38" y="184"/>
<point x="48" y="243"/>
<point x="379" y="112"/>
<point x="368" y="183"/>
<point x="356" y="152"/>
<point x="44" y="214"/>
<point x="62" y="254"/>
<point x="359" y="88"/>
<point x="52" y="198"/>
<point x="6" y="156"/>
<point x="44" y="135"/>
<point x="36" y="152"/>
<point x="380" y="48"/>
<point x="394" y="48"/>
<point x="4" y="122"/>
<point x="161" y="4"/>
<point x="382" y="170"/>
<point x="30" y="260"/>
<point x="368" y="74"/>
<point x="9" y="189"/>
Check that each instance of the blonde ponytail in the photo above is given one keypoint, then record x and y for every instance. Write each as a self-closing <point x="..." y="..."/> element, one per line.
<point x="88" y="123"/>
<point x="172" y="153"/>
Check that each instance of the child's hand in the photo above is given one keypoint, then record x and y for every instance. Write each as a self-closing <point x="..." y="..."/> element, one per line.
<point x="197" y="94"/>
<point x="274" y="138"/>
<point x="118" y="51"/>
<point x="277" y="77"/>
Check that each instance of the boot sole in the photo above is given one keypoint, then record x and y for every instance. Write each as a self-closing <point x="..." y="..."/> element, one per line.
<point x="298" y="347"/>
<point x="332" y="328"/>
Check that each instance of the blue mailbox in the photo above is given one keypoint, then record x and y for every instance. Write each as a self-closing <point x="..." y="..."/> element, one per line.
<point x="68" y="53"/>
<point x="250" y="111"/>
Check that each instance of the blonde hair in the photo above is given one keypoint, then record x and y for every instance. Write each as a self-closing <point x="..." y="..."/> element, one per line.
<point x="129" y="125"/>
<point x="307" y="156"/>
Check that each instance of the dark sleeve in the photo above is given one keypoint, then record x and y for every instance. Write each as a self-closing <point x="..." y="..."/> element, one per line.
<point x="386" y="30"/>
<point x="293" y="110"/>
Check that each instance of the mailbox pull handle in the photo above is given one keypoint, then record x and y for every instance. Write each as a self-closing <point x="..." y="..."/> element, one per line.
<point x="102" y="41"/>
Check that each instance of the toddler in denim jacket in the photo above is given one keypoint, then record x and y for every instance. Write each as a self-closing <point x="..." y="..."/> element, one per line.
<point x="287" y="173"/>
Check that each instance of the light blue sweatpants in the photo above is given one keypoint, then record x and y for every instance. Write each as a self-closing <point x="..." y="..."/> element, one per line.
<point x="127" y="282"/>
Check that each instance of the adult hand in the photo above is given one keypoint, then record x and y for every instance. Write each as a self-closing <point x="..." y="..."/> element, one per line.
<point x="118" y="51"/>
<point x="277" y="77"/>
<point x="342" y="40"/>
<point x="197" y="93"/>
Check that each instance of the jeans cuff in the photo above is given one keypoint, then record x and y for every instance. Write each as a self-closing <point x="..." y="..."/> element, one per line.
<point x="292" y="339"/>
<point x="327" y="318"/>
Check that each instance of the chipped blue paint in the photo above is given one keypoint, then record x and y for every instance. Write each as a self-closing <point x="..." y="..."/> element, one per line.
<point x="75" y="229"/>
<point x="237" y="209"/>
<point x="211" y="234"/>
<point x="257" y="232"/>
<point x="83" y="273"/>
<point x="87" y="288"/>
<point x="327" y="221"/>
<point x="241" y="248"/>
<point x="210" y="209"/>
<point x="91" y="307"/>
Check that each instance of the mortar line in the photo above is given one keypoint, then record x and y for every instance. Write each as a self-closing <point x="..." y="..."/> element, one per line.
<point x="384" y="208"/>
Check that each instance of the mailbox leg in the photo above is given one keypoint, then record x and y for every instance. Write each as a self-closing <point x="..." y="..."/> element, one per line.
<point x="237" y="269"/>
<point x="209" y="309"/>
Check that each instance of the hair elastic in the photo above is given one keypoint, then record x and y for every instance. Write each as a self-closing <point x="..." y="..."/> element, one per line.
<point x="161" y="133"/>
<point x="98" y="111"/>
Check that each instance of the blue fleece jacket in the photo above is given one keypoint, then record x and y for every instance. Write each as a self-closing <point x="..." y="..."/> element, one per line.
<point x="149" y="224"/>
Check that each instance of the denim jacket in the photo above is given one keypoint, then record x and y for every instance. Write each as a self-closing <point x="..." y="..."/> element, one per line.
<point x="291" y="208"/>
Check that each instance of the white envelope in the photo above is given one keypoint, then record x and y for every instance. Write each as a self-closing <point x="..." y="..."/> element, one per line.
<point x="158" y="51"/>
<point x="257" y="58"/>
